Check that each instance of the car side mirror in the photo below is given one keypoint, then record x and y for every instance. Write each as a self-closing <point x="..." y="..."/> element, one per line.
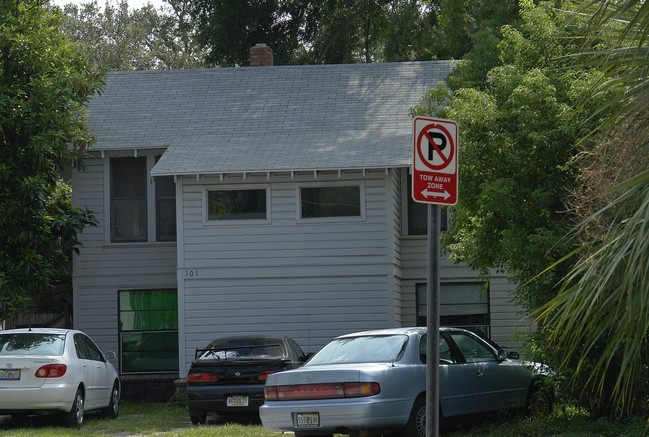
<point x="308" y="356"/>
<point x="503" y="355"/>
<point x="110" y="356"/>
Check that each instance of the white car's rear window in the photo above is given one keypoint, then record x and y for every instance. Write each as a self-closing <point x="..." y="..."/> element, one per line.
<point x="31" y="343"/>
<point x="364" y="349"/>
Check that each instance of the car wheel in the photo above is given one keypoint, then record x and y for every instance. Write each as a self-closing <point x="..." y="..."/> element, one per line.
<point x="416" y="426"/>
<point x="199" y="418"/>
<point x="113" y="406"/>
<point x="540" y="401"/>
<point x="74" y="417"/>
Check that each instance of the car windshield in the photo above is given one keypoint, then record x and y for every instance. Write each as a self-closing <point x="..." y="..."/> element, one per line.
<point x="364" y="349"/>
<point x="30" y="343"/>
<point x="241" y="350"/>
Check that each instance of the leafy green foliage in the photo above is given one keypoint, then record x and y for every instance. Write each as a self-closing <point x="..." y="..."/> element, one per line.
<point x="118" y="38"/>
<point x="347" y="31"/>
<point x="517" y="135"/>
<point x="597" y="325"/>
<point x="44" y="86"/>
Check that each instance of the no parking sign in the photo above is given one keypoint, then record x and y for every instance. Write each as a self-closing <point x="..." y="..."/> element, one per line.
<point x="435" y="159"/>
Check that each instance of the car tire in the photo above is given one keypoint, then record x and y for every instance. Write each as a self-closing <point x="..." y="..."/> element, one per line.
<point x="198" y="418"/>
<point x="540" y="401"/>
<point x="416" y="426"/>
<point x="112" y="410"/>
<point x="74" y="417"/>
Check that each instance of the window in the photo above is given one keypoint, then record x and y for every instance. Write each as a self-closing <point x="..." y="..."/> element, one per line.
<point x="148" y="321"/>
<point x="30" y="344"/>
<point x="445" y="356"/>
<point x="86" y="349"/>
<point x="128" y="199"/>
<point x="418" y="215"/>
<point x="474" y="350"/>
<point x="130" y="217"/>
<point x="464" y="305"/>
<point x="236" y="204"/>
<point x="333" y="201"/>
<point x="165" y="208"/>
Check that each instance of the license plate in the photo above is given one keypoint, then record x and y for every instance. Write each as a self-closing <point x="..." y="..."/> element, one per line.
<point x="9" y="374"/>
<point x="237" y="401"/>
<point x="308" y="420"/>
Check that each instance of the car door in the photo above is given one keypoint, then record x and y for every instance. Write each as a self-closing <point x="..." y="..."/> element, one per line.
<point x="87" y="368"/>
<point x="498" y="383"/>
<point x="101" y="377"/>
<point x="456" y="384"/>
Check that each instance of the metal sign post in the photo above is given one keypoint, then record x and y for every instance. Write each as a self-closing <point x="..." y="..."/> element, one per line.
<point x="435" y="182"/>
<point x="432" y="317"/>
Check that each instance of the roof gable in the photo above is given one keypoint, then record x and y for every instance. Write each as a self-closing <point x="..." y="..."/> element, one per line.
<point x="265" y="119"/>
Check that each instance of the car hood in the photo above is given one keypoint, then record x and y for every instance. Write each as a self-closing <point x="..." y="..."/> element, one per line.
<point x="326" y="373"/>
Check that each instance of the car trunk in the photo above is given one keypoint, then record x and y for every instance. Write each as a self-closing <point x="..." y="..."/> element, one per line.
<point x="238" y="371"/>
<point x="20" y="372"/>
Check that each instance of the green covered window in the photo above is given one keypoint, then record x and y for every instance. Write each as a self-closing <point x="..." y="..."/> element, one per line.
<point x="148" y="322"/>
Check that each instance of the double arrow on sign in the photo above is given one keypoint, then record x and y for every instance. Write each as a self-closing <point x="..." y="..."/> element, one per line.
<point x="445" y="195"/>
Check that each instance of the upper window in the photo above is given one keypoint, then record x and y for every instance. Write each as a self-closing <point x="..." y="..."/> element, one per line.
<point x="131" y="219"/>
<point x="165" y="208"/>
<point x="128" y="199"/>
<point x="331" y="201"/>
<point x="247" y="204"/>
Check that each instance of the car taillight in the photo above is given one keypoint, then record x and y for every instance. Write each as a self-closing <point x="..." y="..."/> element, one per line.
<point x="51" y="371"/>
<point x="264" y="375"/>
<point x="321" y="391"/>
<point x="270" y="393"/>
<point x="202" y="377"/>
<point x="361" y="389"/>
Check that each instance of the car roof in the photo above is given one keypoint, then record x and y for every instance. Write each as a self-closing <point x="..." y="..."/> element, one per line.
<point x="396" y="331"/>
<point x="38" y="331"/>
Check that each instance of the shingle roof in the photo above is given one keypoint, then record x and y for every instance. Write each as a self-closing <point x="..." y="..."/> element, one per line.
<point x="265" y="118"/>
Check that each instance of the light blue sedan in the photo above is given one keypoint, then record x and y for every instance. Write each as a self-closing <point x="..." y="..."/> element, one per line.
<point x="375" y="381"/>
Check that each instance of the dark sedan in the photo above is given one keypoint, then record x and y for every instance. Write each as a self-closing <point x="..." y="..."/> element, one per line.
<point x="228" y="375"/>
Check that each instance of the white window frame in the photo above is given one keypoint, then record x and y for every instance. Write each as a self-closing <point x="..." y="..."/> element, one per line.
<point x="150" y="156"/>
<point x="238" y="187"/>
<point x="337" y="219"/>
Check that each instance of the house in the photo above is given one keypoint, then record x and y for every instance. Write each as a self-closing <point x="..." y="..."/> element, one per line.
<point x="260" y="199"/>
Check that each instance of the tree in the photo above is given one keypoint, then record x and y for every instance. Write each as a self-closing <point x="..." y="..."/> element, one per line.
<point x="44" y="87"/>
<point x="518" y="132"/>
<point x="308" y="32"/>
<point x="117" y="38"/>
<point x="599" y="322"/>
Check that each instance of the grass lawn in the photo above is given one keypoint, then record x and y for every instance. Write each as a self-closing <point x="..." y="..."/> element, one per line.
<point x="145" y="419"/>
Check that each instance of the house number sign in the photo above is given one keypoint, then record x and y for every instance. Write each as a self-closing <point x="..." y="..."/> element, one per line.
<point x="191" y="273"/>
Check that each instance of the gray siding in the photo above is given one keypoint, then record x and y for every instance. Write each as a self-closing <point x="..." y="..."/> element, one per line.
<point x="102" y="269"/>
<point x="309" y="280"/>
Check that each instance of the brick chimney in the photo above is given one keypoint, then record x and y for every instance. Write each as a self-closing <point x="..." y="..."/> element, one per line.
<point x="261" y="56"/>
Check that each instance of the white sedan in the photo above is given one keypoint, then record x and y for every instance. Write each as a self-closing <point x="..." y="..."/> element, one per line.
<point x="45" y="370"/>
